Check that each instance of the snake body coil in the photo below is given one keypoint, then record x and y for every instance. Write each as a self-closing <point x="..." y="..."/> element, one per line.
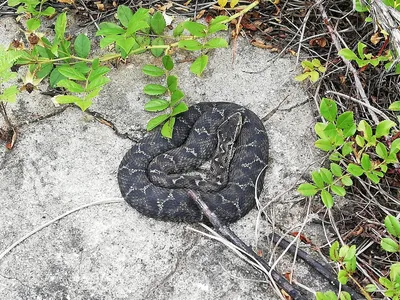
<point x="156" y="173"/>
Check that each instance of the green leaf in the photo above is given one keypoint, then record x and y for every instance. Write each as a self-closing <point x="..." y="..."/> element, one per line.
<point x="338" y="190"/>
<point x="306" y="64"/>
<point x="135" y="26"/>
<point x="385" y="282"/>
<point x="373" y="177"/>
<point x="335" y="156"/>
<point x="199" y="65"/>
<point x="98" y="72"/>
<point x="360" y="49"/>
<point x="328" y="109"/>
<point x="97" y="82"/>
<point x="213" y="28"/>
<point x="196" y="29"/>
<point x="180" y="108"/>
<point x="176" y="96"/>
<point x="355" y="170"/>
<point x="307" y="189"/>
<point x="179" y="29"/>
<point x="392" y="225"/>
<point x="126" y="44"/>
<point x="156" y="105"/>
<point x="360" y="141"/>
<point x="347" y="148"/>
<point x="347" y="54"/>
<point x="55" y="76"/>
<point x="61" y="24"/>
<point x="344" y="296"/>
<point x="172" y="82"/>
<point x="343" y="276"/>
<point x="153" y="71"/>
<point x="389" y="245"/>
<point x="108" y="28"/>
<point x="156" y="121"/>
<point x="190" y="45"/>
<point x="326" y="175"/>
<point x="302" y="77"/>
<point x="82" y="67"/>
<point x="324" y="145"/>
<point x="336" y="169"/>
<point x="216" y="43"/>
<point x="71" y="73"/>
<point x="219" y="19"/>
<point x="350" y="253"/>
<point x="383" y="128"/>
<point x="82" y="45"/>
<point x="395" y="273"/>
<point x="157" y="52"/>
<point x="157" y="23"/>
<point x="9" y="94"/>
<point x="334" y="251"/>
<point x="168" y="63"/>
<point x="381" y="150"/>
<point x="81" y="103"/>
<point x="44" y="70"/>
<point x="168" y="128"/>
<point x="395" y="146"/>
<point x="346" y="180"/>
<point x="49" y="11"/>
<point x="366" y="129"/>
<point x="108" y="40"/>
<point x="70" y="86"/>
<point x="370" y="288"/>
<point x="395" y="106"/>
<point x="124" y="14"/>
<point x="317" y="178"/>
<point x="33" y="24"/>
<point x="154" y="89"/>
<point x="366" y="162"/>
<point x="93" y="94"/>
<point x="345" y="121"/>
<point x="326" y="198"/>
<point x="314" y="76"/>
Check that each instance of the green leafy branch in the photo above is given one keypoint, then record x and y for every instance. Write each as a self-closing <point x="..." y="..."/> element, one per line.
<point x="346" y="258"/>
<point x="352" y="155"/>
<point x="69" y="66"/>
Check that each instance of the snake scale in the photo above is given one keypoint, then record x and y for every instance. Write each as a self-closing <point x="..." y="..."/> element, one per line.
<point x="155" y="174"/>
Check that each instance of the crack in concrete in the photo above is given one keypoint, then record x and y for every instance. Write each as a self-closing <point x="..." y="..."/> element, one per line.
<point x="41" y="118"/>
<point x="103" y="120"/>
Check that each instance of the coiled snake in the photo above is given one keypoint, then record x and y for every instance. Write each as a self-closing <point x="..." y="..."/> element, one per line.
<point x="156" y="173"/>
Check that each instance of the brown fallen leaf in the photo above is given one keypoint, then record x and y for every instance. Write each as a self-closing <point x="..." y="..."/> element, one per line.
<point x="66" y="1"/>
<point x="375" y="38"/>
<point x="100" y="6"/>
<point x="321" y="42"/>
<point x="260" y="44"/>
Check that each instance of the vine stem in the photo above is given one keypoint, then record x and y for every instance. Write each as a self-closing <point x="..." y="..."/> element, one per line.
<point x="242" y="12"/>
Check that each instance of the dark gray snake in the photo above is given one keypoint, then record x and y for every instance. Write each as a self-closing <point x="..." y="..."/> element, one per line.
<point x="155" y="174"/>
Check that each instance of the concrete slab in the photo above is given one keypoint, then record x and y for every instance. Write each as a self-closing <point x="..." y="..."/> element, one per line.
<point x="110" y="251"/>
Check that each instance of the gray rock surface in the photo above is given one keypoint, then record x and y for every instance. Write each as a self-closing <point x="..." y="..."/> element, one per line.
<point x="109" y="251"/>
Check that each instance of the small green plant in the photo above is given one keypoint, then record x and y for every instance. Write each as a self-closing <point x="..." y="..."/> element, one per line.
<point x="35" y="9"/>
<point x="172" y="101"/>
<point x="363" y="154"/>
<point x="311" y="70"/>
<point x="7" y="59"/>
<point x="363" y="59"/>
<point x="345" y="256"/>
<point x="391" y="244"/>
<point x="71" y="66"/>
